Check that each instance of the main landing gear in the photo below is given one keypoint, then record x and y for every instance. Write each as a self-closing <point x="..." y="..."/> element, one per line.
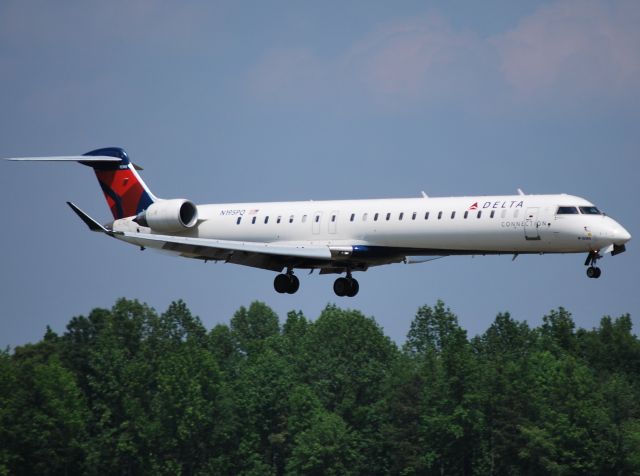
<point x="346" y="286"/>
<point x="593" y="271"/>
<point x="286" y="283"/>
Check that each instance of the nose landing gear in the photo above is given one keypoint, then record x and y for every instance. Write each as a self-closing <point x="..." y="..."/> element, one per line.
<point x="593" y="271"/>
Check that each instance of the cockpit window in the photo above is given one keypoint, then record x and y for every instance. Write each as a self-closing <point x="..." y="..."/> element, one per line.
<point x="590" y="210"/>
<point x="567" y="211"/>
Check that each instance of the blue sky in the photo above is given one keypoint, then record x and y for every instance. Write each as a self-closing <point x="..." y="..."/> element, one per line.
<point x="252" y="101"/>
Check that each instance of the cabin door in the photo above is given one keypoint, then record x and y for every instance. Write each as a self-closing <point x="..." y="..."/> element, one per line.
<point x="317" y="219"/>
<point x="531" y="224"/>
<point x="333" y="222"/>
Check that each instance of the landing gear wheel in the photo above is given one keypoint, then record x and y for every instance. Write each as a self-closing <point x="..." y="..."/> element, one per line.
<point x="355" y="287"/>
<point x="593" y="272"/>
<point x="294" y="284"/>
<point x="346" y="287"/>
<point x="281" y="283"/>
<point x="286" y="283"/>
<point x="592" y="258"/>
<point x="341" y="286"/>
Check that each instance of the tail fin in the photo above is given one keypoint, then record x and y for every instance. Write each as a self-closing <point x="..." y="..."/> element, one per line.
<point x="125" y="191"/>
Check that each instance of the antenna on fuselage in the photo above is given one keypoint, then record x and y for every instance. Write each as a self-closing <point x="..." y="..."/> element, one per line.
<point x="520" y="192"/>
<point x="424" y="195"/>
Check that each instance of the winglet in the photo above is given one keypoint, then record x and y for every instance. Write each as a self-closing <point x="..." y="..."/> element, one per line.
<point x="90" y="222"/>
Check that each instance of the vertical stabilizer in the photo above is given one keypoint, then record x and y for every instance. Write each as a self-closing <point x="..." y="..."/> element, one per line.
<point x="125" y="192"/>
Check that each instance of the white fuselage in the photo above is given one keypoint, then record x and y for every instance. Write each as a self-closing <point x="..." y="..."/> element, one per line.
<point x="454" y="225"/>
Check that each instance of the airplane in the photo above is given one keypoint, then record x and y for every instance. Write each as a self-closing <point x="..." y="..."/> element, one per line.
<point x="344" y="236"/>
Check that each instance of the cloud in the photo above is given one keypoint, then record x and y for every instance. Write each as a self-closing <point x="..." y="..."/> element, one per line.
<point x="568" y="51"/>
<point x="574" y="47"/>
<point x="412" y="59"/>
<point x="398" y="62"/>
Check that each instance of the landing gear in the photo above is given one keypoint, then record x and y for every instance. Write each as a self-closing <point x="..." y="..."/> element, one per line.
<point x="346" y="286"/>
<point x="286" y="283"/>
<point x="593" y="271"/>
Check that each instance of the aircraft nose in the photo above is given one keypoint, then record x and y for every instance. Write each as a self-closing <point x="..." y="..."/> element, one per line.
<point x="619" y="234"/>
<point x="624" y="235"/>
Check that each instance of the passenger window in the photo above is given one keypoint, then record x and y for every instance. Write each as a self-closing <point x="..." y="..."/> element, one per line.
<point x="266" y="219"/>
<point x="278" y="219"/>
<point x="503" y="214"/>
<point x="466" y="214"/>
<point x="365" y="216"/>
<point x="453" y="215"/>
<point x="253" y="221"/>
<point x="479" y="213"/>
<point x="567" y="211"/>
<point x="400" y="216"/>
<point x="333" y="218"/>
<point x="375" y="217"/>
<point x="353" y="216"/>
<point x="426" y="216"/>
<point x="413" y="217"/>
<point x="304" y="218"/>
<point x="515" y="213"/>
<point x="317" y="218"/>
<point x="238" y="220"/>
<point x="388" y="216"/>
<point x="291" y="219"/>
<point x="493" y="213"/>
<point x="439" y="215"/>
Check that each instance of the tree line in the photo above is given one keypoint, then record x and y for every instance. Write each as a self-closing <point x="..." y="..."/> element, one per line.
<point x="130" y="391"/>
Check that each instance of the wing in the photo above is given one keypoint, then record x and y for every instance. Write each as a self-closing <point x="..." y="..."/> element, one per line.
<point x="256" y="254"/>
<point x="270" y="256"/>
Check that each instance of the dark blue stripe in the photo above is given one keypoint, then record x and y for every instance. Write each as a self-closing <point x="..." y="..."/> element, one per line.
<point x="118" y="201"/>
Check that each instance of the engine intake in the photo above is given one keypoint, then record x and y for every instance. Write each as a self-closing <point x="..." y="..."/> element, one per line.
<point x="168" y="216"/>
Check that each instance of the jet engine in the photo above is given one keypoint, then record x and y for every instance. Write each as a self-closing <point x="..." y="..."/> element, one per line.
<point x="169" y="216"/>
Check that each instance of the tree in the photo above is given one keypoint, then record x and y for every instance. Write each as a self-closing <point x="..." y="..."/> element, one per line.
<point x="449" y="416"/>
<point x="503" y="352"/>
<point x="250" y="327"/>
<point x="326" y="448"/>
<point x="43" y="421"/>
<point x="346" y="359"/>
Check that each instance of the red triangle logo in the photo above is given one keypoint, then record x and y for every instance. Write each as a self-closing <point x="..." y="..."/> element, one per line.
<point x="474" y="206"/>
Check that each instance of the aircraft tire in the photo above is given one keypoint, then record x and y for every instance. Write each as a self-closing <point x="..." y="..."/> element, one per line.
<point x="294" y="284"/>
<point x="354" y="287"/>
<point x="281" y="283"/>
<point x="341" y="286"/>
<point x="594" y="272"/>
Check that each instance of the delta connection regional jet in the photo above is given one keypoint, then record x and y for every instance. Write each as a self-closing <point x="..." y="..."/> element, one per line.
<point x="348" y="235"/>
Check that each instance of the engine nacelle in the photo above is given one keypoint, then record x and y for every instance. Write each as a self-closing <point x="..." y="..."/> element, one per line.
<point x="169" y="216"/>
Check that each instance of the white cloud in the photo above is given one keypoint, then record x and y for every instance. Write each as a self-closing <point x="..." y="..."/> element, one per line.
<point x="574" y="47"/>
<point x="570" y="49"/>
<point x="399" y="62"/>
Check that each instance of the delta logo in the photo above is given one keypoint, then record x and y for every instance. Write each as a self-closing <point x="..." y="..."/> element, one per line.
<point x="498" y="204"/>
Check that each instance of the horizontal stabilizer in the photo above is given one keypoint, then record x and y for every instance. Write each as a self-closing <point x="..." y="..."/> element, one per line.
<point x="67" y="158"/>
<point x="90" y="222"/>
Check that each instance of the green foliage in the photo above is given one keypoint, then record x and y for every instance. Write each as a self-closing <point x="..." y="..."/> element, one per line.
<point x="129" y="391"/>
